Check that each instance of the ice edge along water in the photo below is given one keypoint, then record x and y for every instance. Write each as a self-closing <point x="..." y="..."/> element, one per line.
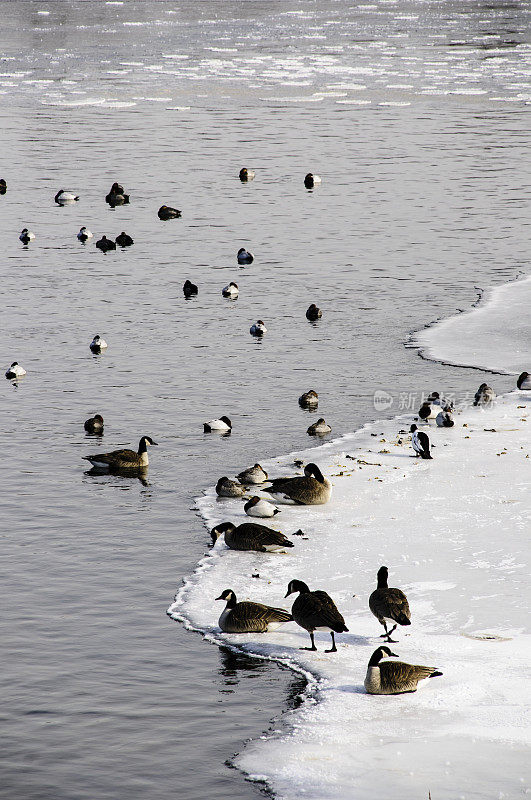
<point x="437" y="526"/>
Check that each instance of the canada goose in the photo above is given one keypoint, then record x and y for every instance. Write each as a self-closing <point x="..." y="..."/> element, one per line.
<point x="248" y="617"/>
<point x="94" y="424"/>
<point x="420" y="442"/>
<point x="123" y="459"/>
<point x="244" y="256"/>
<point x="246" y="174"/>
<point x="15" y="371"/>
<point x="3" y="186"/>
<point x="97" y="344"/>
<point x="251" y="536"/>
<point x="227" y="488"/>
<point x="223" y="424"/>
<point x="309" y="399"/>
<point x="257" y="507"/>
<point x="524" y="381"/>
<point x="105" y="244"/>
<point x="428" y="411"/>
<point x="124" y="240"/>
<point x="394" y="677"/>
<point x="444" y="418"/>
<point x="230" y="290"/>
<point x="253" y="475"/>
<point x="258" y="328"/>
<point x="319" y="428"/>
<point x="84" y="234"/>
<point x="311" y="180"/>
<point x="389" y="604"/>
<point x="26" y="236"/>
<point x="315" y="611"/>
<point x="312" y="489"/>
<point x="63" y="197"/>
<point x="313" y="313"/>
<point x="484" y="395"/>
<point x="167" y="212"/>
<point x="190" y="289"/>
<point x="117" y="196"/>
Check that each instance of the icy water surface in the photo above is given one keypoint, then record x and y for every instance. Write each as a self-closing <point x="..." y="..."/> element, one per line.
<point x="415" y="115"/>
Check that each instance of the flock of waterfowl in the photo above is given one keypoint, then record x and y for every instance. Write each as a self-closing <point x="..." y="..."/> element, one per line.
<point x="311" y="610"/>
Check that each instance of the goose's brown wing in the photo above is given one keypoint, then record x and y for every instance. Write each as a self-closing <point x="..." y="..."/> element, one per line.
<point x="396" y="676"/>
<point x="313" y="610"/>
<point x="263" y="534"/>
<point x="116" y="455"/>
<point x="390" y="603"/>
<point x="258" y="616"/>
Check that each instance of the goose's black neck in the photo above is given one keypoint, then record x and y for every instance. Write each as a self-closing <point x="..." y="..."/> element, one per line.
<point x="382" y="578"/>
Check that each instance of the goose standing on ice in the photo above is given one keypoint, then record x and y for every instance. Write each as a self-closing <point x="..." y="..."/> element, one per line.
<point x="420" y="442"/>
<point x="84" y="234"/>
<point x="251" y="536"/>
<point x="123" y="459"/>
<point x="310" y="489"/>
<point x="26" y="236"/>
<point x="227" y="488"/>
<point x="94" y="424"/>
<point x="389" y="604"/>
<point x="311" y="180"/>
<point x="484" y="395"/>
<point x="257" y="507"/>
<point x="97" y="344"/>
<point x="316" y="611"/>
<point x="249" y="617"/>
<point x="319" y="428"/>
<point x="244" y="256"/>
<point x="524" y="381"/>
<point x="62" y="197"/>
<point x="221" y="425"/>
<point x="258" y="328"/>
<point x="15" y="371"/>
<point x="253" y="475"/>
<point x="230" y="290"/>
<point x="444" y="418"/>
<point x="246" y="174"/>
<point x="394" y="677"/>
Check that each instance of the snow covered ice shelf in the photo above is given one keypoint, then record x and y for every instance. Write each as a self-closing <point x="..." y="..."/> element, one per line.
<point x="454" y="533"/>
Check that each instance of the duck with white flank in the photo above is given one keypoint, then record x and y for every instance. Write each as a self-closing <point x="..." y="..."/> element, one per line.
<point x="124" y="240"/>
<point x="484" y="395"/>
<point x="15" y="371"/>
<point x="311" y="180"/>
<point x="258" y="328"/>
<point x="428" y="410"/>
<point x="394" y="677"/>
<point x="248" y="617"/>
<point x="227" y="488"/>
<point x="190" y="289"/>
<point x="105" y="244"/>
<point x="257" y="507"/>
<point x="244" y="256"/>
<point x="167" y="212"/>
<point x="389" y="604"/>
<point x="310" y="489"/>
<point x="123" y="459"/>
<point x="251" y="536"/>
<point x="444" y="418"/>
<point x="26" y="236"/>
<point x="420" y="442"/>
<point x="94" y="424"/>
<point x="231" y="290"/>
<point x="84" y="234"/>
<point x="524" y="381"/>
<point x="313" y="313"/>
<point x="221" y="425"/>
<point x="97" y="344"/>
<point x="316" y="611"/>
<point x="319" y="428"/>
<point x="246" y="174"/>
<point x="62" y="197"/>
<point x="309" y="399"/>
<point x="117" y="196"/>
<point x="254" y="475"/>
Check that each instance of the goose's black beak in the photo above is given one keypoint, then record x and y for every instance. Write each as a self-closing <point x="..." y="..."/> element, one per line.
<point x="219" y="598"/>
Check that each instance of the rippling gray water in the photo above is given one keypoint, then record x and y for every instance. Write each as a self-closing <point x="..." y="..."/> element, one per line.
<point x="415" y="114"/>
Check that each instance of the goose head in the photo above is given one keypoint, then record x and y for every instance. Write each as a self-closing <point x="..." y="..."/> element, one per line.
<point x="379" y="653"/>
<point x="219" y="530"/>
<point x="144" y="442"/>
<point x="229" y="596"/>
<point x="296" y="586"/>
<point x="312" y="470"/>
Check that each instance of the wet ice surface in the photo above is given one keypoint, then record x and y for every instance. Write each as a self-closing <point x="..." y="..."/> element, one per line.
<point x="453" y="532"/>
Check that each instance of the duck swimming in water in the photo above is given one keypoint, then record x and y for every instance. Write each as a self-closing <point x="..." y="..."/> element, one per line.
<point x="319" y="428"/>
<point x="167" y="212"/>
<point x="230" y="290"/>
<point x="105" y="244"/>
<point x="221" y="425"/>
<point x="313" y="313"/>
<point x="311" y="180"/>
<point x="84" y="234"/>
<point x="124" y="240"/>
<point x="15" y="371"/>
<point x="94" y="424"/>
<point x="26" y="236"/>
<point x="246" y="174"/>
<point x="244" y="256"/>
<point x="258" y="328"/>
<point x="62" y="197"/>
<point x="97" y="344"/>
